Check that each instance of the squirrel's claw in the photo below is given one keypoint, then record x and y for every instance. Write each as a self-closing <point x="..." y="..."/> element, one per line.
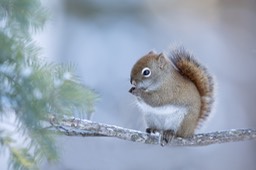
<point x="167" y="137"/>
<point x="151" y="130"/>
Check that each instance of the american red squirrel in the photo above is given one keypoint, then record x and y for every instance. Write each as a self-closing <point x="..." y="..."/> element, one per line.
<point x="175" y="93"/>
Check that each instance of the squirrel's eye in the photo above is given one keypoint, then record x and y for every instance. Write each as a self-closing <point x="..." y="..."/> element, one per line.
<point x="146" y="72"/>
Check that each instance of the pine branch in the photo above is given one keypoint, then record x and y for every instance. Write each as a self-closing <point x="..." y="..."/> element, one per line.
<point x="78" y="127"/>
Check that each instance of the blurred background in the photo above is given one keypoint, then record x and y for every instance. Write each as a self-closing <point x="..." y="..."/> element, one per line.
<point x="105" y="38"/>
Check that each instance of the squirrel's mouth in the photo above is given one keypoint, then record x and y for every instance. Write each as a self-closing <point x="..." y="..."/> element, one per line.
<point x="133" y="82"/>
<point x="139" y="85"/>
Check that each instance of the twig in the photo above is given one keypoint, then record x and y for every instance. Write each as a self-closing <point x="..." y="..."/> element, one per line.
<point x="78" y="127"/>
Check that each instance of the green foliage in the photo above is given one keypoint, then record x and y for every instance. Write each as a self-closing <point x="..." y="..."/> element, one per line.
<point x="32" y="89"/>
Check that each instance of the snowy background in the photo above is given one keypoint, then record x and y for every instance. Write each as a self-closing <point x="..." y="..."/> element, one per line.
<point x="105" y="38"/>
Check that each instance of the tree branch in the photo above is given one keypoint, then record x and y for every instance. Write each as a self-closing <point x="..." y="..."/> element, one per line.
<point x="79" y="127"/>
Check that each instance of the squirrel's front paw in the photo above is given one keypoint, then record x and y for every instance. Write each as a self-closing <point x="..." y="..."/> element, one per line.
<point x="132" y="89"/>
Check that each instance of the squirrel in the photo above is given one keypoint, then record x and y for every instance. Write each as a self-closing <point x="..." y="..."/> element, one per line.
<point x="175" y="93"/>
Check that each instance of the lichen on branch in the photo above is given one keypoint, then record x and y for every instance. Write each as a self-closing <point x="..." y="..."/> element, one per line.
<point x="79" y="127"/>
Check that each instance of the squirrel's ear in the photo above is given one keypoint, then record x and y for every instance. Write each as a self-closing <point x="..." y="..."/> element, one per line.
<point x="152" y="52"/>
<point x="161" y="60"/>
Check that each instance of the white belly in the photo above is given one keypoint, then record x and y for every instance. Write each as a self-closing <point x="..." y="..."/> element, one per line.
<point x="164" y="117"/>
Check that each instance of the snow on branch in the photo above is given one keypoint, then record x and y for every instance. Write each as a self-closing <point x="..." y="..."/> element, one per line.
<point x="80" y="127"/>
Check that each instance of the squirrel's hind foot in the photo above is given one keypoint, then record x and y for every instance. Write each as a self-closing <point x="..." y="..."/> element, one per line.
<point x="167" y="137"/>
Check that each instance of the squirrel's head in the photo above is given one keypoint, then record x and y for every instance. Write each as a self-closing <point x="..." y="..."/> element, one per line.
<point x="149" y="72"/>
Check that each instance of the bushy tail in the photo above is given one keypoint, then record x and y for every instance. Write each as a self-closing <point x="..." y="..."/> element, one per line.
<point x="188" y="66"/>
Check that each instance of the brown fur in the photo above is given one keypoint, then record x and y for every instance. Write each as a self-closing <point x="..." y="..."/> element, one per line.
<point x="188" y="66"/>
